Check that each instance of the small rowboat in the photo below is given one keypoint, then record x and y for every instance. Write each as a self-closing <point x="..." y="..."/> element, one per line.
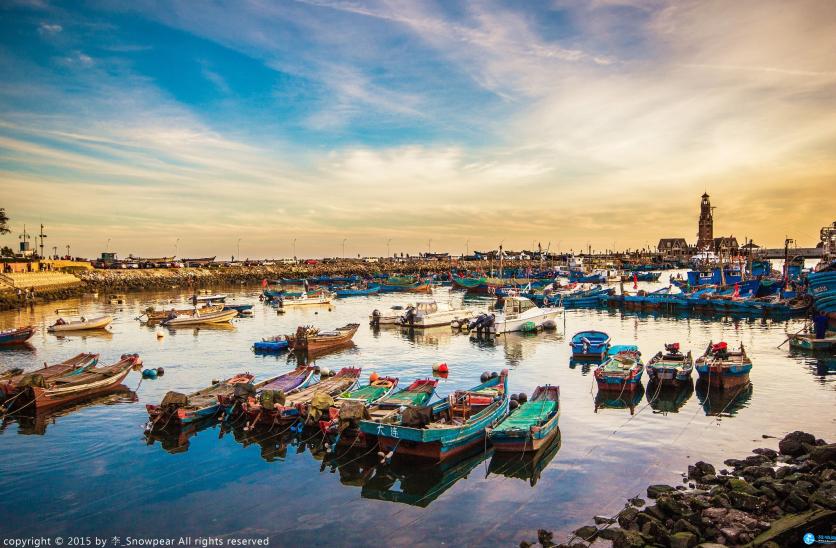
<point x="238" y="307"/>
<point x="177" y="409"/>
<point x="532" y="425"/>
<point x="357" y="291"/>
<point x="273" y="344"/>
<point x="622" y="371"/>
<point x="670" y="367"/>
<point x="307" y="299"/>
<point x="157" y="315"/>
<point x="298" y="404"/>
<point x="309" y="338"/>
<point x="77" y="385"/>
<point x="210" y="298"/>
<point x="271" y="389"/>
<point x="16" y="336"/>
<point x="809" y="342"/>
<point x="198" y="319"/>
<point x="590" y="345"/>
<point x="447" y="428"/>
<point x="12" y="381"/>
<point x="100" y="322"/>
<point x="722" y="368"/>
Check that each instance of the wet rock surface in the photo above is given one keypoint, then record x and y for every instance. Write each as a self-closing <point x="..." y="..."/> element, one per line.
<point x="771" y="498"/>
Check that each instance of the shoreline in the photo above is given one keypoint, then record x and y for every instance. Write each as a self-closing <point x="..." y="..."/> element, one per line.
<point x="770" y="499"/>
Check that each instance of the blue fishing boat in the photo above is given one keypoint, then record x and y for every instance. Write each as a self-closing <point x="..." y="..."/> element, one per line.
<point x="238" y="307"/>
<point x="357" y="291"/>
<point x="177" y="409"/>
<point x="271" y="345"/>
<point x="532" y="425"/>
<point x="622" y="371"/>
<point x="590" y="345"/>
<point x="722" y="368"/>
<point x="670" y="367"/>
<point x="446" y="428"/>
<point x="16" y="336"/>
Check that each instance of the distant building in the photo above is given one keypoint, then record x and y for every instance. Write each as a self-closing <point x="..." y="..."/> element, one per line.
<point x="673" y="247"/>
<point x="705" y="230"/>
<point x="727" y="245"/>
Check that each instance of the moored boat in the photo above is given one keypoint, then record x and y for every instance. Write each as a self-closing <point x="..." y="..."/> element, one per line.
<point x="810" y="342"/>
<point x="671" y="366"/>
<point x="389" y="317"/>
<point x="17" y="336"/>
<point x="312" y="339"/>
<point x="271" y="344"/>
<point x="446" y="428"/>
<point x="77" y="385"/>
<point x="532" y="425"/>
<point x="590" y="345"/>
<point x="722" y="368"/>
<point x="518" y="314"/>
<point x="83" y="324"/>
<point x="353" y="291"/>
<point x="222" y="316"/>
<point x="432" y="313"/>
<point x="352" y="405"/>
<point x="154" y="315"/>
<point x="269" y="390"/>
<point x="177" y="409"/>
<point x="298" y="405"/>
<point x="622" y="371"/>
<point x="11" y="382"/>
<point x="308" y="299"/>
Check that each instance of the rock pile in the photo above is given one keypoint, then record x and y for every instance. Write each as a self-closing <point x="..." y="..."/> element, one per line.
<point x="771" y="499"/>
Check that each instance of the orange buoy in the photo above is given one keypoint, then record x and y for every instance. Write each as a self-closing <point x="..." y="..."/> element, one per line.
<point x="374" y="376"/>
<point x="440" y="367"/>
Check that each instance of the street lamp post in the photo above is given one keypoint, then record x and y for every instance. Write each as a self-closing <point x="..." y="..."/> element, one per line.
<point x="344" y="240"/>
<point x="239" y="249"/>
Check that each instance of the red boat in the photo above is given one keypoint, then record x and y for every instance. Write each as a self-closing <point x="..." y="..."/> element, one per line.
<point x="68" y="388"/>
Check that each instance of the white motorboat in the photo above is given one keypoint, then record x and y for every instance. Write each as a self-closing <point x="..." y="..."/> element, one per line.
<point x="432" y="313"/>
<point x="306" y="299"/>
<point x="387" y="317"/>
<point x="519" y="312"/>
<point x="93" y="323"/>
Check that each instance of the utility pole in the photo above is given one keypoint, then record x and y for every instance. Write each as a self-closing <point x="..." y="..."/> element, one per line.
<point x="429" y="246"/>
<point x="55" y="252"/>
<point x="24" y="237"/>
<point x="68" y="251"/>
<point x="344" y="240"/>
<point x="294" y="248"/>
<point x="42" y="236"/>
<point x="239" y="249"/>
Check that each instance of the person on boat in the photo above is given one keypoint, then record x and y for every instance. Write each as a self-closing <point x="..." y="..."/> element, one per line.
<point x="171" y="314"/>
<point x="60" y="321"/>
<point x="194" y="299"/>
<point x="820" y="321"/>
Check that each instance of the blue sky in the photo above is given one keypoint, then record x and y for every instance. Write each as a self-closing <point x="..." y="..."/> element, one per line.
<point x="597" y="122"/>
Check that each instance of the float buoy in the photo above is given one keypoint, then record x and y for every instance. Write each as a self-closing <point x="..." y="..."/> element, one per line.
<point x="373" y="377"/>
<point x="522" y="398"/>
<point x="160" y="371"/>
<point x="324" y="372"/>
<point x="149" y="373"/>
<point x="484" y="377"/>
<point x="441" y="367"/>
<point x="513" y="404"/>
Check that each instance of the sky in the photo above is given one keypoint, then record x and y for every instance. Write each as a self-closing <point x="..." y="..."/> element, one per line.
<point x="197" y="128"/>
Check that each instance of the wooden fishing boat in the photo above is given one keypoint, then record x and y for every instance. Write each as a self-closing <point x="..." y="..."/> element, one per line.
<point x="177" y="409"/>
<point x="157" y="315"/>
<point x="670" y="367"/>
<point x="590" y="345"/>
<point x="357" y="291"/>
<point x="12" y="381"/>
<point x="238" y="307"/>
<point x="222" y="316"/>
<point x="810" y="342"/>
<point x="446" y="428"/>
<point x="420" y="287"/>
<point x="17" y="336"/>
<point x="622" y="370"/>
<point x="83" y="324"/>
<point x="308" y="299"/>
<point x="219" y="298"/>
<point x="722" y="368"/>
<point x="532" y="425"/>
<point x="351" y="406"/>
<point x="269" y="390"/>
<point x="310" y="338"/>
<point x="297" y="405"/>
<point x="389" y="317"/>
<point x="68" y="388"/>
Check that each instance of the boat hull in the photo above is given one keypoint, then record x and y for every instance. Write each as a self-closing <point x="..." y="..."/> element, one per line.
<point x="51" y="398"/>
<point x="528" y="443"/>
<point x="17" y="336"/>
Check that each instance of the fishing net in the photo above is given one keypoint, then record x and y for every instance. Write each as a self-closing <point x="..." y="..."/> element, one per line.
<point x="175" y="399"/>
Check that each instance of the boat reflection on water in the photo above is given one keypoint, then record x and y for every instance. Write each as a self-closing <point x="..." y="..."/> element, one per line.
<point x="96" y="334"/>
<point x="176" y="440"/>
<point x="615" y="400"/>
<point x="586" y="365"/>
<point x="418" y="484"/>
<point x="525" y="466"/>
<point x="723" y="403"/>
<point x="819" y="363"/>
<point x="428" y="336"/>
<point x="669" y="399"/>
<point x="306" y="357"/>
<point x="36" y="422"/>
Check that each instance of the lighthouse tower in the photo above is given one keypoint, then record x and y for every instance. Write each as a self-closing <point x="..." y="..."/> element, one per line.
<point x="705" y="233"/>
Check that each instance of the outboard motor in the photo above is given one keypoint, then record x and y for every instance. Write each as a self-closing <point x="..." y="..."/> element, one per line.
<point x="409" y="316"/>
<point x="375" y="318"/>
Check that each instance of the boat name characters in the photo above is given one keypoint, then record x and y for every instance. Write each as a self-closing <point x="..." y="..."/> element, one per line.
<point x="101" y="542"/>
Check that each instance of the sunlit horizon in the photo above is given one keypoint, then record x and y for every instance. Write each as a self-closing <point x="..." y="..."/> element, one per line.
<point x="159" y="129"/>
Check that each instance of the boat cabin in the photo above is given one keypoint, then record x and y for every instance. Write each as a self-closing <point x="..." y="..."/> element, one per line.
<point x="514" y="306"/>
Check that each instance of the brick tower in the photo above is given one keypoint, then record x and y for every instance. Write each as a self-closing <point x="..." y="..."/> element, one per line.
<point x="705" y="234"/>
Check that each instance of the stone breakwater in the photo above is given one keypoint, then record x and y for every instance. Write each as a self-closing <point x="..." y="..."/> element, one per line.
<point x="196" y="278"/>
<point x="770" y="499"/>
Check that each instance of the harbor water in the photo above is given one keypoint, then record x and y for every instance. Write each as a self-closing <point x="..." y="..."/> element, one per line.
<point x="91" y="470"/>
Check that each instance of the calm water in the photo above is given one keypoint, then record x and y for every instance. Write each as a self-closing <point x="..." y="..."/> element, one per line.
<point x="91" y="471"/>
